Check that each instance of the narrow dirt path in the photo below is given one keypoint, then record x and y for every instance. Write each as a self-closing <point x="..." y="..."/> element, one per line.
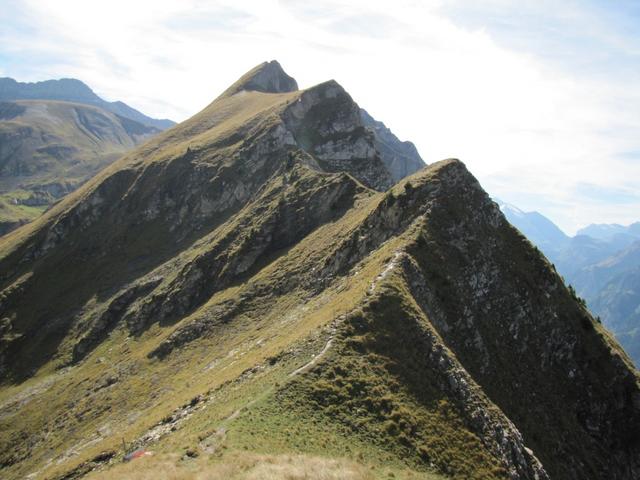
<point x="314" y="360"/>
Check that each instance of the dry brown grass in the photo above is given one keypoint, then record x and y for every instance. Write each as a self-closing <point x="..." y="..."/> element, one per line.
<point x="237" y="467"/>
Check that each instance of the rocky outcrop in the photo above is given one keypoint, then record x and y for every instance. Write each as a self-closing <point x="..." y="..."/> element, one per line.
<point x="294" y="204"/>
<point x="10" y="110"/>
<point x="325" y="122"/>
<point x="108" y="319"/>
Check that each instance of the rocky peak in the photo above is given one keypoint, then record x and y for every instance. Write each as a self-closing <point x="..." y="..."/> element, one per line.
<point x="268" y="77"/>
<point x="326" y="122"/>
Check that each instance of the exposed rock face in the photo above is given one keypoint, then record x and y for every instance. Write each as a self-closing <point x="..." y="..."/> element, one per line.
<point x="108" y="319"/>
<point x="325" y="122"/>
<point x="401" y="158"/>
<point x="221" y="250"/>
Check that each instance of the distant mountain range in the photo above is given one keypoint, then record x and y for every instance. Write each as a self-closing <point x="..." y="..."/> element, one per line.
<point x="73" y="90"/>
<point x="48" y="148"/>
<point x="602" y="262"/>
<point x="55" y="135"/>
<point x="611" y="231"/>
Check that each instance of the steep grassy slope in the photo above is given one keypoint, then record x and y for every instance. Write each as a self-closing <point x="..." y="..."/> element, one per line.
<point x="603" y="269"/>
<point x="236" y="297"/>
<point x="49" y="148"/>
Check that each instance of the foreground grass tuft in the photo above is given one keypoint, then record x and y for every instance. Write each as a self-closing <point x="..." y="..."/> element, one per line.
<point x="248" y="466"/>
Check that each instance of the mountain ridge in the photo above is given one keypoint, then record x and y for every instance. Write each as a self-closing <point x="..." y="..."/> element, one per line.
<point x="605" y="231"/>
<point x="254" y="281"/>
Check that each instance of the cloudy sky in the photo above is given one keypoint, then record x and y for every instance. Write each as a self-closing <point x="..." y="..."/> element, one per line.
<point x="540" y="98"/>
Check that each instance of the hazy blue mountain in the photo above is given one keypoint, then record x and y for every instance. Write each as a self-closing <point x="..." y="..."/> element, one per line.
<point x="591" y="279"/>
<point x="581" y="252"/>
<point x="618" y="236"/>
<point x="611" y="288"/>
<point x="609" y="231"/>
<point x="73" y="90"/>
<point x="537" y="228"/>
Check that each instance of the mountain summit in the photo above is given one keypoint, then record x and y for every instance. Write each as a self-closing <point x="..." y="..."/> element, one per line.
<point x="268" y="77"/>
<point x="251" y="294"/>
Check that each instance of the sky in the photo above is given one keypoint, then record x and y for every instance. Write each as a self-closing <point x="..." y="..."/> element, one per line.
<point x="540" y="98"/>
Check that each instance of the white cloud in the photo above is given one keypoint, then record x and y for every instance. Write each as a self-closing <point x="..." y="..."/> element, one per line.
<point x="531" y="131"/>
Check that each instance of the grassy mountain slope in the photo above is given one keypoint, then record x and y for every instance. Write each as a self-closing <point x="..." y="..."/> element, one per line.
<point x="243" y="294"/>
<point x="49" y="148"/>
